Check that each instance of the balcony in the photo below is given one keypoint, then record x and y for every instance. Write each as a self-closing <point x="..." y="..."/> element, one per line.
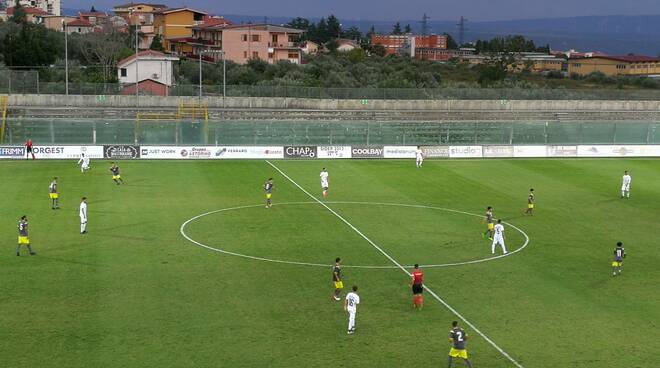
<point x="285" y="45"/>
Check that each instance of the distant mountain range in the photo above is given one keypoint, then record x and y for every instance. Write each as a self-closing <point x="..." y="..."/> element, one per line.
<point x="615" y="35"/>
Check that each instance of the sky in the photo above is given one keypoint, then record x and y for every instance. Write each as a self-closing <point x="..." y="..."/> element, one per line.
<point x="438" y="10"/>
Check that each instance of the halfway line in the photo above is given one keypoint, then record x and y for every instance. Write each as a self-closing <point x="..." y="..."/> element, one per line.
<point x="491" y="342"/>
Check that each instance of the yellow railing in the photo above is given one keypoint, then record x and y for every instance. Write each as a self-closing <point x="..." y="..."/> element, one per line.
<point x="4" y="103"/>
<point x="187" y="111"/>
<point x="193" y="111"/>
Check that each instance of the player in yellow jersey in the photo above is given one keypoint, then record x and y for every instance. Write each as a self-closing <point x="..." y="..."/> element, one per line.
<point x="54" y="194"/>
<point x="268" y="189"/>
<point x="23" y="238"/>
<point x="530" y="203"/>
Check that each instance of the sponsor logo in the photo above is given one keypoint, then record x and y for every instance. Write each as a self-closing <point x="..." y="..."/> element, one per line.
<point x="121" y="152"/>
<point x="157" y="151"/>
<point x="466" y="151"/>
<point x="49" y="150"/>
<point x="334" y="152"/>
<point x="435" y="151"/>
<point x="196" y="152"/>
<point x="498" y="151"/>
<point x="367" y="152"/>
<point x="8" y="151"/>
<point x="300" y="152"/>
<point x="562" y="151"/>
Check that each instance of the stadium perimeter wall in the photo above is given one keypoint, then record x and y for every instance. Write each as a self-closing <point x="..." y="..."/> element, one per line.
<point x="149" y="152"/>
<point x="275" y="103"/>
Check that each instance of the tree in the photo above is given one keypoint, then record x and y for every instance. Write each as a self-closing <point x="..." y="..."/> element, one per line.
<point x="396" y="30"/>
<point x="19" y="16"/>
<point x="378" y="50"/>
<point x="451" y="43"/>
<point x="156" y="44"/>
<point x="407" y="29"/>
<point x="334" y="27"/>
<point x="92" y="10"/>
<point x="299" y="23"/>
<point x="103" y="49"/>
<point x="31" y="45"/>
<point x="353" y="33"/>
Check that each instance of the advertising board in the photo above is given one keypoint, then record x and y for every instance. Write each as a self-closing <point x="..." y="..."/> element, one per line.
<point x="530" y="151"/>
<point x="121" y="152"/>
<point x="618" y="151"/>
<point x="300" y="152"/>
<point x="435" y="151"/>
<point x="465" y="151"/>
<point x="562" y="151"/>
<point x="399" y="151"/>
<point x="12" y="152"/>
<point x="334" y="152"/>
<point x="498" y="151"/>
<point x="67" y="152"/>
<point x="248" y="152"/>
<point x="367" y="151"/>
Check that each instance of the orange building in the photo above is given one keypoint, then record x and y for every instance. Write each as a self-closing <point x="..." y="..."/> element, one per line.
<point x="172" y="24"/>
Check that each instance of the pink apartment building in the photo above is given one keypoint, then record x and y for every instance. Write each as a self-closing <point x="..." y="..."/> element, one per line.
<point x="243" y="42"/>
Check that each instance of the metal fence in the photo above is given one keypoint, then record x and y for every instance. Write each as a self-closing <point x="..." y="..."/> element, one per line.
<point x="68" y="131"/>
<point x="27" y="82"/>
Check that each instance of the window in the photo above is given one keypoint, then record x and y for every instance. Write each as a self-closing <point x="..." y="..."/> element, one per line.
<point x="255" y="38"/>
<point x="244" y="38"/>
<point x="123" y="72"/>
<point x="270" y="55"/>
<point x="273" y="39"/>
<point x="244" y="54"/>
<point x="293" y="55"/>
<point x="255" y="54"/>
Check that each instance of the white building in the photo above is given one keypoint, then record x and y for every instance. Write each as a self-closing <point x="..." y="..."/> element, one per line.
<point x="49" y="6"/>
<point x="152" y="65"/>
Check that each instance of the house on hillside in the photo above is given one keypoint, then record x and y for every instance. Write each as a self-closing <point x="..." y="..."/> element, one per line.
<point x="176" y="23"/>
<point x="154" y="70"/>
<point x="80" y="26"/>
<point x="95" y="18"/>
<point x="345" y="45"/>
<point x="33" y="15"/>
<point x="310" y="47"/>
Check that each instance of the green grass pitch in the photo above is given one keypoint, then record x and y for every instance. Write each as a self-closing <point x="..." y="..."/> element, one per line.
<point x="135" y="293"/>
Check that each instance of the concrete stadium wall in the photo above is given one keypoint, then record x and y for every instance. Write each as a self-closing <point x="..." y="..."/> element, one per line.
<point x="279" y="103"/>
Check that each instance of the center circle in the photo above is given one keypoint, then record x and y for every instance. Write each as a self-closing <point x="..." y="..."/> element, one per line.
<point x="182" y="230"/>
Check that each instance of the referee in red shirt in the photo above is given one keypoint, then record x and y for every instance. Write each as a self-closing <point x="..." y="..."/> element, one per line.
<point x="417" y="283"/>
<point x="28" y="149"/>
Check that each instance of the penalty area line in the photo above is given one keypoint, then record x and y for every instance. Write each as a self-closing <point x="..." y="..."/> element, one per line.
<point x="396" y="263"/>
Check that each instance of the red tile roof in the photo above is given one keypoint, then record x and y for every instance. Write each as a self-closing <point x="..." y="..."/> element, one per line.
<point x="79" y="23"/>
<point x="28" y="10"/>
<point x="92" y="14"/>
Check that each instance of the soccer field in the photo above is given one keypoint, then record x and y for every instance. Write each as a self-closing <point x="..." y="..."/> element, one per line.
<point x="253" y="287"/>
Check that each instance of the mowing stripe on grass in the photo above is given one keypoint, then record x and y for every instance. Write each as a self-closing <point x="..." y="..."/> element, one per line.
<point x="394" y="261"/>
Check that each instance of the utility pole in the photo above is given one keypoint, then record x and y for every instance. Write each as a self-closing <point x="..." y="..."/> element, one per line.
<point x="66" y="58"/>
<point x="461" y="30"/>
<point x="425" y="24"/>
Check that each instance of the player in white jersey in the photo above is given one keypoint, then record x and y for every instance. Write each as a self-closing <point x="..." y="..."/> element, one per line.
<point x="498" y="237"/>
<point x="83" y="215"/>
<point x="419" y="157"/>
<point x="350" y="305"/>
<point x="84" y="160"/>
<point x="625" y="185"/>
<point x="324" y="182"/>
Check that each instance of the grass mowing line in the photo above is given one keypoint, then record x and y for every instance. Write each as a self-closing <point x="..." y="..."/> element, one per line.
<point x="394" y="261"/>
<point x="183" y="233"/>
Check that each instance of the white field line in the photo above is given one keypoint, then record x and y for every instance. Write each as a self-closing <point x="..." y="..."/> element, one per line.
<point x="377" y="247"/>
<point x="182" y="230"/>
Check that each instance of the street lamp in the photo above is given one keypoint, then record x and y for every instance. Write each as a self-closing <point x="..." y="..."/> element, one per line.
<point x="137" y="61"/>
<point x="224" y="72"/>
<point x="66" y="58"/>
